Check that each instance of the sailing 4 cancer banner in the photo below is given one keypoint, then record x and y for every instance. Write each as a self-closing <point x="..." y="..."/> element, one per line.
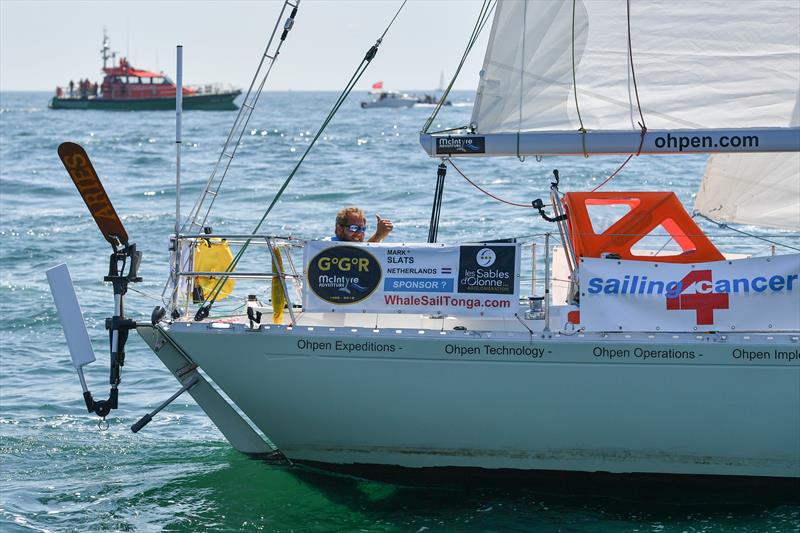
<point x="472" y="280"/>
<point x="758" y="294"/>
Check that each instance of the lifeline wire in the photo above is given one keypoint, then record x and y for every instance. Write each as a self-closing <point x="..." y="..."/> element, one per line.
<point x="203" y="311"/>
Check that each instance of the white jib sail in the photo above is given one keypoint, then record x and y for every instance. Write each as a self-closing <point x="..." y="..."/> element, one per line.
<point x="757" y="189"/>
<point x="698" y="65"/>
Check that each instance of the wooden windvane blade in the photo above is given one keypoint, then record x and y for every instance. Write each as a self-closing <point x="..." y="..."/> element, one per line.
<point x="80" y="169"/>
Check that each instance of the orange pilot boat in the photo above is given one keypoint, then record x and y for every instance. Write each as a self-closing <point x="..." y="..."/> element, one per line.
<point x="126" y="88"/>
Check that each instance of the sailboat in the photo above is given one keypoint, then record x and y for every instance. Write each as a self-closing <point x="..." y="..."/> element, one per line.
<point x="386" y="98"/>
<point x="433" y="99"/>
<point x="426" y="355"/>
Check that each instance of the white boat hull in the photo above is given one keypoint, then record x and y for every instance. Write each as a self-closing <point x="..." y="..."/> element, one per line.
<point x="390" y="102"/>
<point x="421" y="398"/>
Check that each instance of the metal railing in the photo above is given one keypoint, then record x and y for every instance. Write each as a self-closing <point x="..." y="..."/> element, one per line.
<point x="273" y="243"/>
<point x="546" y="277"/>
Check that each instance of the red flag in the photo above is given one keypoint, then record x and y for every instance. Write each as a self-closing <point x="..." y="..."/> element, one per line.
<point x="377" y="85"/>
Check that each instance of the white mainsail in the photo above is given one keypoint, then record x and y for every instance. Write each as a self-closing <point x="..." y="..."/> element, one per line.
<point x="709" y="64"/>
<point x="711" y="76"/>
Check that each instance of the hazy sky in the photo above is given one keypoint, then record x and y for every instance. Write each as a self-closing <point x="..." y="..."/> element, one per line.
<point x="47" y="43"/>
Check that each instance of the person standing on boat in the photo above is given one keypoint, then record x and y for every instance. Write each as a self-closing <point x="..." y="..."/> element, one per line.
<point x="351" y="226"/>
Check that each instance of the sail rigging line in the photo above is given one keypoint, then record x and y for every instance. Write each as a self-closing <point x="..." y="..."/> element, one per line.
<point x="726" y="226"/>
<point x="642" y="124"/>
<point x="522" y="77"/>
<point x="614" y="174"/>
<point x="484" y="191"/>
<point x="671" y="238"/>
<point x="145" y="294"/>
<point x="391" y="22"/>
<point x="638" y="152"/>
<point x="243" y="117"/>
<point x="582" y="129"/>
<point x="239" y="124"/>
<point x="483" y="17"/>
<point x="457" y="128"/>
<point x="359" y="71"/>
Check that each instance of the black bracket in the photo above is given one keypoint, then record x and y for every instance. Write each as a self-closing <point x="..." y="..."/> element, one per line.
<point x="202" y="313"/>
<point x="557" y="178"/>
<point x="123" y="268"/>
<point x="539" y="205"/>
<point x="254" y="316"/>
<point x="129" y="257"/>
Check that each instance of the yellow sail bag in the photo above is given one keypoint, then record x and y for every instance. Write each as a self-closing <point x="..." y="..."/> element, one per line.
<point x="212" y="255"/>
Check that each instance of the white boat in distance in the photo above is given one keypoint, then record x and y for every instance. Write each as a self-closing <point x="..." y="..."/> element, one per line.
<point x="637" y="362"/>
<point x="390" y="99"/>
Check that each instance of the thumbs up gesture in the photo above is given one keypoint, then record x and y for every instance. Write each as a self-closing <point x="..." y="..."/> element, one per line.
<point x="384" y="228"/>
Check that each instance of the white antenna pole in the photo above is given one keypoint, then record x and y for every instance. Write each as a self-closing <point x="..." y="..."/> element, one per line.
<point x="178" y="119"/>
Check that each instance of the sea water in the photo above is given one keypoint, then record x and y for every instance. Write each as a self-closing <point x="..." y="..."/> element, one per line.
<point x="60" y="472"/>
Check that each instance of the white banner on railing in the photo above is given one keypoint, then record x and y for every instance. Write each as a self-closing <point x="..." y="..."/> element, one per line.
<point x="474" y="279"/>
<point x="759" y="294"/>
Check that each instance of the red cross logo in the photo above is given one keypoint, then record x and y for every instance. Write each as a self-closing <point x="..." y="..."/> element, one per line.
<point x="703" y="301"/>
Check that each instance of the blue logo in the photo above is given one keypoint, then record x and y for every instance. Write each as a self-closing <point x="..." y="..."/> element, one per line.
<point x="418" y="285"/>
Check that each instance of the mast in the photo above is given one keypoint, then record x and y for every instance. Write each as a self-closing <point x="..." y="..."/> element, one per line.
<point x="178" y="120"/>
<point x="176" y="261"/>
<point x="106" y="50"/>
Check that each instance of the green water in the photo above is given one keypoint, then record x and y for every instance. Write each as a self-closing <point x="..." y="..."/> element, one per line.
<point x="58" y="472"/>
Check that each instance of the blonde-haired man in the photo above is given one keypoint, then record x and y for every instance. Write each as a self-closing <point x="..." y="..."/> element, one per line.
<point x="351" y="225"/>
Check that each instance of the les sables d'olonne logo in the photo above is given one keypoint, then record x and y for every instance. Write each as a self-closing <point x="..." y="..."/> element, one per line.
<point x="486" y="270"/>
<point x="485" y="257"/>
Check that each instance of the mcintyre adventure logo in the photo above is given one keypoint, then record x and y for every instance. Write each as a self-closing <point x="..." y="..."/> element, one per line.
<point x="460" y="145"/>
<point x="344" y="274"/>
<point x="486" y="269"/>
